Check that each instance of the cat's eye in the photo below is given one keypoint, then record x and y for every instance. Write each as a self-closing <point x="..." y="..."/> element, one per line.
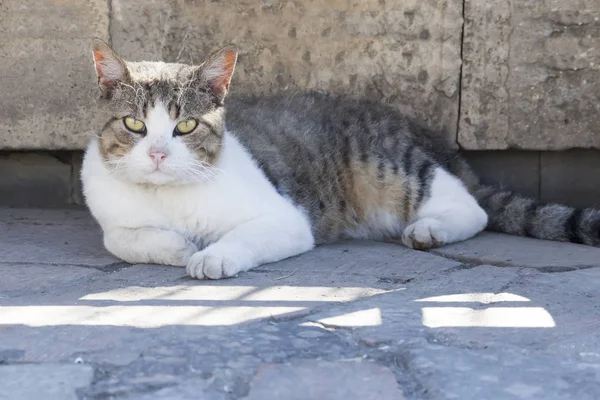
<point x="134" y="125"/>
<point x="185" y="126"/>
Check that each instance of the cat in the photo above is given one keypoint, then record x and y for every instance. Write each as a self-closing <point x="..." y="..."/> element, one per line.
<point x="179" y="176"/>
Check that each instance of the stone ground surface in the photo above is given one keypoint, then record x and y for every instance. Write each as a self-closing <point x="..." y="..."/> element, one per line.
<point x="496" y="317"/>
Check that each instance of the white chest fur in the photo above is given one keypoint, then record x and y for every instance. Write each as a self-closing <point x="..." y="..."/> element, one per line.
<point x="236" y="195"/>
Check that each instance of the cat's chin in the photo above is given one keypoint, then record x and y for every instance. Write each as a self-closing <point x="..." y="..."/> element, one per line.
<point x="157" y="178"/>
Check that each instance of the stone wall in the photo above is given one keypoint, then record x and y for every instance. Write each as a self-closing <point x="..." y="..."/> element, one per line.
<point x="496" y="74"/>
<point x="531" y="75"/>
<point x="492" y="75"/>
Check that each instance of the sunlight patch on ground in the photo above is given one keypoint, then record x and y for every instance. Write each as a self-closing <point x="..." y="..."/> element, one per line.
<point x="246" y="293"/>
<point x="136" y="316"/>
<point x="370" y="317"/>
<point x="200" y="305"/>
<point x="496" y="317"/>
<point x="484" y="298"/>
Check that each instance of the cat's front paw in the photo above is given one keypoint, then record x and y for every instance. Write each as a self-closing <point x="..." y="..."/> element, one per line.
<point x="215" y="263"/>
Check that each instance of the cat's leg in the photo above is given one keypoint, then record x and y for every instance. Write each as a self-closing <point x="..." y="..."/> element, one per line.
<point x="149" y="245"/>
<point x="450" y="214"/>
<point x="262" y="240"/>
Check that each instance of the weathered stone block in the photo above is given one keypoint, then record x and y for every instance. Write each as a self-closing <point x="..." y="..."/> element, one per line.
<point x="571" y="177"/>
<point x="531" y="75"/>
<point x="514" y="170"/>
<point x="404" y="53"/>
<point x="46" y="72"/>
<point x="31" y="179"/>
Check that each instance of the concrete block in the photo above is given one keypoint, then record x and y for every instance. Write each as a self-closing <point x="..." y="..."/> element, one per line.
<point x="46" y="72"/>
<point x="32" y="179"/>
<point x="404" y="53"/>
<point x="514" y="170"/>
<point x="571" y="177"/>
<point x="531" y="75"/>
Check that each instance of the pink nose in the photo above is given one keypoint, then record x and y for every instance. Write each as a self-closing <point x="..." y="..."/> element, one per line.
<point x="158" y="156"/>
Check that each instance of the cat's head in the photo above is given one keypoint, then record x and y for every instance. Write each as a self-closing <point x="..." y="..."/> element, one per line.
<point x="165" y="122"/>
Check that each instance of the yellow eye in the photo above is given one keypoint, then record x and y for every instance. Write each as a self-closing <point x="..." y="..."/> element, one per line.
<point x="134" y="125"/>
<point x="186" y="126"/>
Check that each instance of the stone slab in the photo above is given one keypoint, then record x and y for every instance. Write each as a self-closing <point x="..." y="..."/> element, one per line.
<point x="374" y="261"/>
<point x="69" y="216"/>
<point x="47" y="74"/>
<point x="445" y="373"/>
<point x="531" y="75"/>
<point x="26" y="279"/>
<point x="324" y="380"/>
<point x="403" y="53"/>
<point x="513" y="251"/>
<point x="46" y="381"/>
<point x="489" y="308"/>
<point x="375" y="316"/>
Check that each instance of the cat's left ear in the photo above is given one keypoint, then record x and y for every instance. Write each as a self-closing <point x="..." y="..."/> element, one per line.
<point x="218" y="70"/>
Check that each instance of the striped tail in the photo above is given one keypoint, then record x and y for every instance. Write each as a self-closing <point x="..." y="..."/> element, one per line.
<point x="514" y="214"/>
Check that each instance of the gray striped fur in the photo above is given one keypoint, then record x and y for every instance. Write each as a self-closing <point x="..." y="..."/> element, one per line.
<point x="336" y="157"/>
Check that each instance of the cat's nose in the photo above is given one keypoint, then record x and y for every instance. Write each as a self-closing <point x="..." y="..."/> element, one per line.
<point x="158" y="156"/>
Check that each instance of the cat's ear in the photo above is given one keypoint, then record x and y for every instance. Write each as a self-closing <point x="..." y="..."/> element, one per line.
<point x="218" y="70"/>
<point x="110" y="68"/>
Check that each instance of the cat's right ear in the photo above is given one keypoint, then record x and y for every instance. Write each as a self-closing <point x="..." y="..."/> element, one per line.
<point x="110" y="68"/>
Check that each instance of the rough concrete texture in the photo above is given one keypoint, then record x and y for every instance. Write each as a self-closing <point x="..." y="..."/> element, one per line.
<point x="46" y="74"/>
<point x="404" y="53"/>
<point x="355" y="320"/>
<point x="531" y="75"/>
<point x="46" y="381"/>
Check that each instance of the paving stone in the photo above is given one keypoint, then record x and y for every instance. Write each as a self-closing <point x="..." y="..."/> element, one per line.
<point x="452" y="373"/>
<point x="52" y="241"/>
<point x="506" y="250"/>
<point x="372" y="316"/>
<point x="483" y="307"/>
<point x="30" y="278"/>
<point x="46" y="381"/>
<point x="375" y="261"/>
<point x="324" y="380"/>
<point x="71" y="216"/>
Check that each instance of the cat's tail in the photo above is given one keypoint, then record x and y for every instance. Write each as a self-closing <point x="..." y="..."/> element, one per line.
<point x="514" y="214"/>
<point x="509" y="212"/>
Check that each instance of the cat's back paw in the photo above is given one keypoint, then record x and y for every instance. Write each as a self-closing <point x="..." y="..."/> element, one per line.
<point x="424" y="234"/>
